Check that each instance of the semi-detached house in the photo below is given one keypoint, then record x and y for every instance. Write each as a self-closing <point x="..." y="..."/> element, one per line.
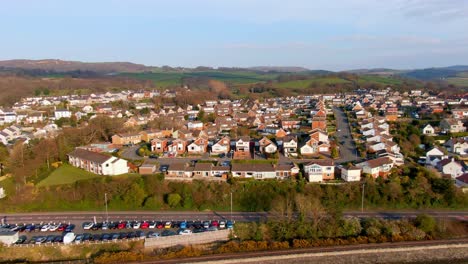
<point x="97" y="163"/>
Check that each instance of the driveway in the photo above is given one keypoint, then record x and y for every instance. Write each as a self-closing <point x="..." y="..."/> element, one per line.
<point x="130" y="153"/>
<point x="348" y="151"/>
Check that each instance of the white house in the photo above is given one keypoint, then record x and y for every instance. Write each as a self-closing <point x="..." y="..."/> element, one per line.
<point x="433" y="156"/>
<point x="243" y="144"/>
<point x="62" y="113"/>
<point x="97" y="163"/>
<point x="351" y="173"/>
<point x="379" y="167"/>
<point x="222" y="146"/>
<point x="256" y="171"/>
<point x="320" y="170"/>
<point x="458" y="145"/>
<point x="290" y="146"/>
<point x="267" y="146"/>
<point x="428" y="130"/>
<point x="450" y="167"/>
<point x="195" y="125"/>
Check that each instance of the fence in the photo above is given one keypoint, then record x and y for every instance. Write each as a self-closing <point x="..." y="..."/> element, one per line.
<point x="196" y="238"/>
<point x="54" y="244"/>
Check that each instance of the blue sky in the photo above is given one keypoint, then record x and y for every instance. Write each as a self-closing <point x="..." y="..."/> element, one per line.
<point x="318" y="34"/>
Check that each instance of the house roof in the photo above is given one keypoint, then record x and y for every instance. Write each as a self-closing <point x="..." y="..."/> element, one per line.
<point x="463" y="178"/>
<point x="89" y="155"/>
<point x="203" y="167"/>
<point x="252" y="167"/>
<point x="374" y="163"/>
<point x="322" y="162"/>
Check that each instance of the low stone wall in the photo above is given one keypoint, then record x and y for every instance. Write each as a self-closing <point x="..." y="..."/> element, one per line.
<point x="196" y="238"/>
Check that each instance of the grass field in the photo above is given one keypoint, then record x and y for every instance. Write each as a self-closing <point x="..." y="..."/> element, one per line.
<point x="363" y="79"/>
<point x="459" y="81"/>
<point x="164" y="79"/>
<point x="66" y="174"/>
<point x="303" y="84"/>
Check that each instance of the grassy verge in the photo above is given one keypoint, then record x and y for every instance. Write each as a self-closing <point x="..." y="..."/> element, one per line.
<point x="66" y="174"/>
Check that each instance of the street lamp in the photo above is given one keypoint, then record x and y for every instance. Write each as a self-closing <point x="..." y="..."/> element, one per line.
<point x="107" y="213"/>
<point x="362" y="197"/>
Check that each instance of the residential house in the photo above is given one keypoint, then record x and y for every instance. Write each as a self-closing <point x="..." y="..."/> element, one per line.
<point x="285" y="171"/>
<point x="351" y="173"/>
<point x="147" y="169"/>
<point x="458" y="145"/>
<point x="149" y="134"/>
<point x="203" y="169"/>
<point x="462" y="182"/>
<point x="177" y="146"/>
<point x="179" y="170"/>
<point x="222" y="146"/>
<point x="62" y="113"/>
<point x="267" y="146"/>
<point x="433" y="156"/>
<point x="450" y="167"/>
<point x="159" y="145"/>
<point x="256" y="171"/>
<point x="320" y="170"/>
<point x="290" y="145"/>
<point x="452" y="126"/>
<point x="126" y="139"/>
<point x="97" y="163"/>
<point x="428" y="130"/>
<point x="198" y="146"/>
<point x="379" y="167"/>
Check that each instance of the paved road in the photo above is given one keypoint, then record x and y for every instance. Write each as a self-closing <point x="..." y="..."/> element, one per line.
<point x="348" y="151"/>
<point x="130" y="153"/>
<point x="210" y="215"/>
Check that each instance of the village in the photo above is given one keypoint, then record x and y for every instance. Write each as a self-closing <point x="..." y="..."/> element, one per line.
<point x="322" y="138"/>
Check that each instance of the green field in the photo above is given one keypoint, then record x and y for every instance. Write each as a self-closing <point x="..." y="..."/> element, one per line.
<point x="459" y="81"/>
<point x="66" y="174"/>
<point x="320" y="81"/>
<point x="366" y="79"/>
<point x="164" y="79"/>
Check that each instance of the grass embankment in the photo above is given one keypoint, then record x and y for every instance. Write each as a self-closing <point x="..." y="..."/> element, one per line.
<point x="64" y="253"/>
<point x="66" y="174"/>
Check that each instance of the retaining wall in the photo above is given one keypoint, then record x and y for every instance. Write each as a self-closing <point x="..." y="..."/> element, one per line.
<point x="196" y="238"/>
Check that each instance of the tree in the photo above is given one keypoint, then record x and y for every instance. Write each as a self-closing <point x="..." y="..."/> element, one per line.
<point x="426" y="223"/>
<point x="334" y="153"/>
<point x="174" y="199"/>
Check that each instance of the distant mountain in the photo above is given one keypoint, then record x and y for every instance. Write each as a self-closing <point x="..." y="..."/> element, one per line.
<point x="435" y="73"/>
<point x="376" y="71"/>
<point x="69" y="66"/>
<point x="278" y="69"/>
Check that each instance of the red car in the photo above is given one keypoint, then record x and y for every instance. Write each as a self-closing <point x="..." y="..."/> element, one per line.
<point x="121" y="225"/>
<point x="214" y="223"/>
<point x="62" y="227"/>
<point x="144" y="225"/>
<point x="160" y="225"/>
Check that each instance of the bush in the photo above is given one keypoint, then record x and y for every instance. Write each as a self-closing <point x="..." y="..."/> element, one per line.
<point x="426" y="223"/>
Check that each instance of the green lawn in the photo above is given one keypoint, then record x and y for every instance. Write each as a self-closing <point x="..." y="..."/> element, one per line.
<point x="67" y="174"/>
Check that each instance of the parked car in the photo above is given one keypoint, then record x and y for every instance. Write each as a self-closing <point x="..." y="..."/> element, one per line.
<point x="222" y="224"/>
<point x="160" y="225"/>
<point x="136" y="225"/>
<point x="78" y="238"/>
<point x="122" y="225"/>
<point x="152" y="224"/>
<point x="168" y="233"/>
<point x="183" y="225"/>
<point x="50" y="239"/>
<point x="229" y="224"/>
<point x="152" y="235"/>
<point x="168" y="224"/>
<point x="30" y="228"/>
<point x="21" y="240"/>
<point x="140" y="234"/>
<point x="54" y="227"/>
<point x="153" y="156"/>
<point x="115" y="236"/>
<point x="70" y="228"/>
<point x="212" y="228"/>
<point x="96" y="226"/>
<point x="105" y="226"/>
<point x="185" y="232"/>
<point x="163" y="168"/>
<point x="214" y="223"/>
<point x="206" y="224"/>
<point x="113" y="225"/>
<point x="62" y="227"/>
<point x="88" y="225"/>
<point x="144" y="225"/>
<point x="58" y="239"/>
<point x="198" y="230"/>
<point x="41" y="239"/>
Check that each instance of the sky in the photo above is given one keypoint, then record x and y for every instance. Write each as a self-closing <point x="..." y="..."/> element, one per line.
<point x="316" y="34"/>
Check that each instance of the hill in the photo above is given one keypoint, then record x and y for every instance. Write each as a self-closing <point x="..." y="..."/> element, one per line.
<point x="278" y="69"/>
<point x="69" y="66"/>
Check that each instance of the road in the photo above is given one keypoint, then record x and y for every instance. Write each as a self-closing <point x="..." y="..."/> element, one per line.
<point x="348" y="151"/>
<point x="207" y="215"/>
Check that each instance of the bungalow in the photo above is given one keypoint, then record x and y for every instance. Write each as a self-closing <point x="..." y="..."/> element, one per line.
<point x="180" y="170"/>
<point x="320" y="170"/>
<point x="379" y="167"/>
<point x="286" y="171"/>
<point x="433" y="156"/>
<point x="97" y="163"/>
<point x="256" y="171"/>
<point x="203" y="169"/>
